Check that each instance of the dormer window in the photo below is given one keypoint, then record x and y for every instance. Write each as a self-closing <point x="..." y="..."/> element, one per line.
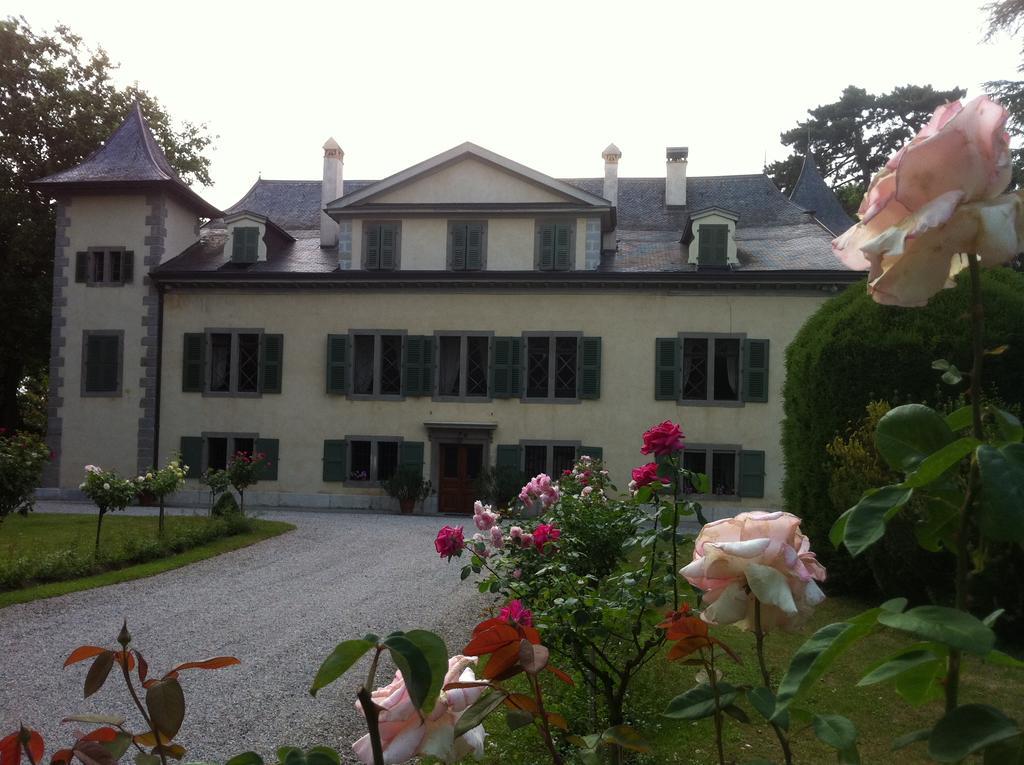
<point x="713" y="245"/>
<point x="381" y="246"/>
<point x="245" y="244"/>
<point x="555" y="246"/>
<point x="467" y="245"/>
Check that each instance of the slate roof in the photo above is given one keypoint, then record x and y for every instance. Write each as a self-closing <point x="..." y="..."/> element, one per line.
<point x="131" y="156"/>
<point x="773" y="233"/>
<point x="812" y="193"/>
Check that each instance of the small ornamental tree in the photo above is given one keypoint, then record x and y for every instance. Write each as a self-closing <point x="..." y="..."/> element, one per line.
<point x="164" y="481"/>
<point x="108" y="492"/>
<point x="244" y="470"/>
<point x="217" y="482"/>
<point x="22" y="456"/>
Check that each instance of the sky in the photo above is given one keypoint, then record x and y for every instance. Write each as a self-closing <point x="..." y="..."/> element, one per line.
<point x="548" y="84"/>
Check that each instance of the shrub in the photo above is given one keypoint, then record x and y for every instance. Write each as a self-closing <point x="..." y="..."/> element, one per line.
<point x="22" y="456"/>
<point x="225" y="506"/>
<point x="853" y="351"/>
<point x="499" y="486"/>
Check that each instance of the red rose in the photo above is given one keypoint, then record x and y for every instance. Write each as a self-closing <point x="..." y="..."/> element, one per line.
<point x="663" y="439"/>
<point x="449" y="542"/>
<point x="646" y="474"/>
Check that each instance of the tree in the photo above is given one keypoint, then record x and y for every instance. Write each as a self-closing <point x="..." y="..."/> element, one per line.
<point x="57" y="104"/>
<point x="853" y="137"/>
<point x="1008" y="16"/>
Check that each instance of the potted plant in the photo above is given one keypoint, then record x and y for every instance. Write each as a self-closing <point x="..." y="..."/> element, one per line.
<point x="408" y="486"/>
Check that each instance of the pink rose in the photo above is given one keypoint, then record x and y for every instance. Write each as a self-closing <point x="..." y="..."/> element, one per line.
<point x="514" y="613"/>
<point x="543" y="534"/>
<point x="497" y="540"/>
<point x="517" y="573"/>
<point x="756" y="555"/>
<point x="404" y="735"/>
<point x="931" y="202"/>
<point x="449" y="542"/>
<point x="663" y="439"/>
<point x="587" y="491"/>
<point x="483" y="517"/>
<point x="526" y="540"/>
<point x="646" y="474"/>
<point x="540" y="492"/>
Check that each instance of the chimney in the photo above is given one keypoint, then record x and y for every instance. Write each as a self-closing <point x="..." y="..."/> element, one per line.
<point x="331" y="189"/>
<point x="675" y="176"/>
<point x="611" y="156"/>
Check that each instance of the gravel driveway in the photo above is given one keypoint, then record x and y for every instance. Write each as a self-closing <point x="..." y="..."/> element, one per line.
<point x="280" y="606"/>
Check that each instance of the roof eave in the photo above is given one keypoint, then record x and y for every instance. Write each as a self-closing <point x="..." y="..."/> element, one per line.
<point x="183" y="192"/>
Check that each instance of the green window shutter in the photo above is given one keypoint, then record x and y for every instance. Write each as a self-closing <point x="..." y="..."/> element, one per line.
<point x="192" y="455"/>
<point x="751" y="474"/>
<point x="269" y="446"/>
<point x="272" y="361"/>
<point x="252" y="245"/>
<point x="459" y="236"/>
<point x="81" y="266"/>
<point x="591" y="451"/>
<point x="418" y="371"/>
<point x="546" y="247"/>
<point x="589" y="377"/>
<point x="371" y="237"/>
<point x="127" y="266"/>
<point x="755" y="370"/>
<point x="337" y="364"/>
<point x="563" y="248"/>
<point x="388" y="247"/>
<point x="102" y="363"/>
<point x="245" y="244"/>
<point x="713" y="247"/>
<point x="506" y="371"/>
<point x="335" y="453"/>
<point x="666" y="368"/>
<point x="475" y="246"/>
<point x="193" y="362"/>
<point x="509" y="456"/>
<point x="410" y="454"/>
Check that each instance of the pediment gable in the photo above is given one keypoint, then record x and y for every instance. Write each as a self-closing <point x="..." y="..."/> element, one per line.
<point x="468" y="174"/>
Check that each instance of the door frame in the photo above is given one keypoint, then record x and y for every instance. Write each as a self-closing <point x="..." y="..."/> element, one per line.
<point x="468" y="433"/>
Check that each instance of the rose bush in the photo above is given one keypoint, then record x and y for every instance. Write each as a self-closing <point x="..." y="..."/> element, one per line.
<point x="935" y="198"/>
<point x="756" y="557"/>
<point x="404" y="734"/>
<point x="22" y="457"/>
<point x="108" y="492"/>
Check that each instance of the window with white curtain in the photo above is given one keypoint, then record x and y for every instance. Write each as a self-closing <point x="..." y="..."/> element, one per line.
<point x="711" y="367"/>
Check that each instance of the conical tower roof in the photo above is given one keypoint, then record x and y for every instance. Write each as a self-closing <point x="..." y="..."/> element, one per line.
<point x="131" y="157"/>
<point x="812" y="193"/>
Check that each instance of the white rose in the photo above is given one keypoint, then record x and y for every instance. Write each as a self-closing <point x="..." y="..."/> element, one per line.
<point x="106" y="487"/>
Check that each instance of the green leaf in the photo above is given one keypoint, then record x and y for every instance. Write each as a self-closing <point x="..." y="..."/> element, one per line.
<point x="838" y="530"/>
<point x="952" y="376"/>
<point x="166" y="704"/>
<point x="115" y="720"/>
<point x="98" y="672"/>
<point x="323" y="755"/>
<point x="893" y="667"/>
<point x="936" y="465"/>
<point x="119" y="745"/>
<point x="141" y="758"/>
<point x="908" y="434"/>
<point x="340" y="661"/>
<point x="245" y="758"/>
<point x="518" y="718"/>
<point x="866" y="523"/>
<point x="910" y="738"/>
<point x="939" y="525"/>
<point x="416" y="668"/>
<point x="1001" y="511"/>
<point x="737" y="713"/>
<point x="948" y="626"/>
<point x="626" y="737"/>
<point x="1001" y="659"/>
<point x="698" y="703"/>
<point x="968" y="729"/>
<point x="1009" y="751"/>
<point x="816" y="655"/>
<point x="961" y="419"/>
<point x="849" y="756"/>
<point x="835" y="730"/>
<point x="476" y="713"/>
<point x="763" y="700"/>
<point x="436" y="653"/>
<point x="923" y="683"/>
<point x="1009" y="427"/>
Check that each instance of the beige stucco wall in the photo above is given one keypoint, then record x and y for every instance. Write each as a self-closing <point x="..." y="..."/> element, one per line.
<point x="713" y="219"/>
<point x="103" y="430"/>
<point x="303" y="415"/>
<point x="510" y="243"/>
<point x="469" y="180"/>
<point x="182" y="229"/>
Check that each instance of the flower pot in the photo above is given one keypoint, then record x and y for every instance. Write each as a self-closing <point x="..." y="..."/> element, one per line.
<point x="406" y="506"/>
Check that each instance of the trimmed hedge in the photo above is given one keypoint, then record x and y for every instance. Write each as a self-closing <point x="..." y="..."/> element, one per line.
<point x="853" y="351"/>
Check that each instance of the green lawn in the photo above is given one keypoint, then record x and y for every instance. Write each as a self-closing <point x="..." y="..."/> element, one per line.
<point x="47" y="554"/>
<point x="880" y="715"/>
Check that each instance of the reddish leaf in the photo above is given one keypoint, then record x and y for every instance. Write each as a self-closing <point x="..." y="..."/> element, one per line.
<point x="466" y="684"/>
<point x="120" y="657"/>
<point x="531" y="634"/>
<point x="688" y="645"/>
<point x="563" y="676"/>
<point x="62" y="757"/>
<point x="215" y="663"/>
<point x="82" y="653"/>
<point x="98" y="672"/>
<point x="521" y="701"/>
<point x="177" y="751"/>
<point x="101" y="735"/>
<point x="502" y="660"/>
<point x="558" y="720"/>
<point x="495" y="637"/>
<point x="143" y="666"/>
<point x="93" y="753"/>
<point x="147" y="739"/>
<point x="679" y="626"/>
<point x="151" y="682"/>
<point x="10" y="750"/>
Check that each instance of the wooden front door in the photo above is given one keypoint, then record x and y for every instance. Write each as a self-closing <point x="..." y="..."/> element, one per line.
<point x="459" y="469"/>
